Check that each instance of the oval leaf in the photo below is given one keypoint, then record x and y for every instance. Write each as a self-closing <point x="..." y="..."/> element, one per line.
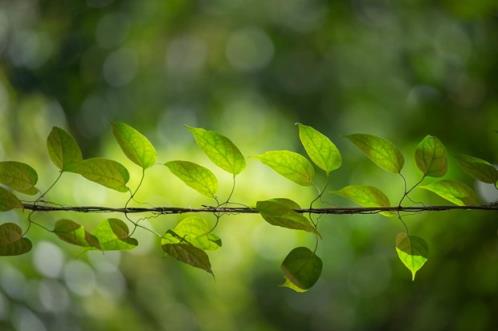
<point x="193" y="230"/>
<point x="105" y="172"/>
<point x="380" y="151"/>
<point x="11" y="240"/>
<point x="75" y="234"/>
<point x="455" y="192"/>
<point x="219" y="149"/>
<point x="135" y="145"/>
<point x="113" y="234"/>
<point x="302" y="268"/>
<point x="478" y="168"/>
<point x="8" y="201"/>
<point x="431" y="157"/>
<point x="412" y="251"/>
<point x="63" y="149"/>
<point x="189" y="254"/>
<point x="197" y="177"/>
<point x="281" y="212"/>
<point x="366" y="196"/>
<point x="19" y="177"/>
<point x="291" y="165"/>
<point x="320" y="148"/>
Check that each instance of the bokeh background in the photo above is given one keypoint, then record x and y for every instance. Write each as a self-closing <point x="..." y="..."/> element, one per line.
<point x="251" y="69"/>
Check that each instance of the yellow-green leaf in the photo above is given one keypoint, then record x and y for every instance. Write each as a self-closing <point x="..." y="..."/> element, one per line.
<point x="431" y="157"/>
<point x="282" y="212"/>
<point x="11" y="240"/>
<point x="8" y="201"/>
<point x="302" y="269"/>
<point x="412" y="251"/>
<point x="320" y="148"/>
<point x="366" y="196"/>
<point x="196" y="176"/>
<point x="478" y="168"/>
<point x="113" y="234"/>
<point x="193" y="230"/>
<point x="455" y="192"/>
<point x="189" y="254"/>
<point x="291" y="165"/>
<point x="75" y="234"/>
<point x="135" y="145"/>
<point x="219" y="149"/>
<point x="105" y="172"/>
<point x="19" y="177"/>
<point x="380" y="151"/>
<point x="63" y="149"/>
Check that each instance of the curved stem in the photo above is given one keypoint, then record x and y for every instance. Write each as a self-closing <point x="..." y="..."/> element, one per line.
<point x="131" y="198"/>
<point x="408" y="191"/>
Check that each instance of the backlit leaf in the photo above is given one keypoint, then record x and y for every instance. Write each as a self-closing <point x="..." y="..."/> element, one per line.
<point x="63" y="149"/>
<point x="196" y="176"/>
<point x="302" y="268"/>
<point x="219" y="149"/>
<point x="478" y="168"/>
<point x="320" y="148"/>
<point x="366" y="196"/>
<point x="105" y="172"/>
<point x="412" y="251"/>
<point x="455" y="192"/>
<point x="431" y="157"/>
<point x="11" y="240"/>
<point x="189" y="254"/>
<point x="281" y="212"/>
<point x="380" y="151"/>
<point x="113" y="234"/>
<point x="75" y="234"/>
<point x="291" y="165"/>
<point x="19" y="177"/>
<point x="193" y="230"/>
<point x="8" y="201"/>
<point x="135" y="145"/>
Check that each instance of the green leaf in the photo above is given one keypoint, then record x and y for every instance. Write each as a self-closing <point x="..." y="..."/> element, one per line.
<point x="220" y="150"/>
<point x="302" y="268"/>
<point x="63" y="149"/>
<point x="11" y="240"/>
<point x="75" y="234"/>
<point x="197" y="177"/>
<point x="380" y="151"/>
<point x="366" y="196"/>
<point x="105" y="172"/>
<point x="478" y="168"/>
<point x="193" y="230"/>
<point x="113" y="234"/>
<point x="320" y="148"/>
<point x="19" y="177"/>
<point x="431" y="157"/>
<point x="8" y="200"/>
<point x="281" y="212"/>
<point x="291" y="165"/>
<point x="189" y="254"/>
<point x="135" y="145"/>
<point x="455" y="192"/>
<point x="412" y="251"/>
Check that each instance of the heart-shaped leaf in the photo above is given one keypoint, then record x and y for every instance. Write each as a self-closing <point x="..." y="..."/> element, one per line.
<point x="320" y="148"/>
<point x="219" y="149"/>
<point x="196" y="176"/>
<point x="302" y="269"/>
<point x="193" y="230"/>
<point x="366" y="196"/>
<point x="113" y="234"/>
<point x="135" y="145"/>
<point x="380" y="151"/>
<point x="412" y="251"/>
<point x="291" y="165"/>
<point x="478" y="168"/>
<point x="189" y="254"/>
<point x="11" y="240"/>
<point x="8" y="201"/>
<point x="75" y="234"/>
<point x="281" y="212"/>
<point x="431" y="157"/>
<point x="19" y="177"/>
<point x="105" y="172"/>
<point x="455" y="192"/>
<point x="63" y="149"/>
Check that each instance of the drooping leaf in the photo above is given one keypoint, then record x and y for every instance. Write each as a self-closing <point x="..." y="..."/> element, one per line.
<point x="135" y="145"/>
<point x="63" y="149"/>
<point x="113" y="234"/>
<point x="11" y="240"/>
<point x="412" y="251"/>
<point x="455" y="192"/>
<point x="75" y="234"/>
<point x="189" y="254"/>
<point x="366" y="196"/>
<point x="291" y="165"/>
<point x="8" y="201"/>
<point x="478" y="168"/>
<point x="193" y="230"/>
<point x="321" y="150"/>
<point x="281" y="212"/>
<point x="105" y="172"/>
<point x="219" y="149"/>
<point x="196" y="176"/>
<point x="431" y="157"/>
<point x="302" y="268"/>
<point x="19" y="177"/>
<point x="380" y="151"/>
